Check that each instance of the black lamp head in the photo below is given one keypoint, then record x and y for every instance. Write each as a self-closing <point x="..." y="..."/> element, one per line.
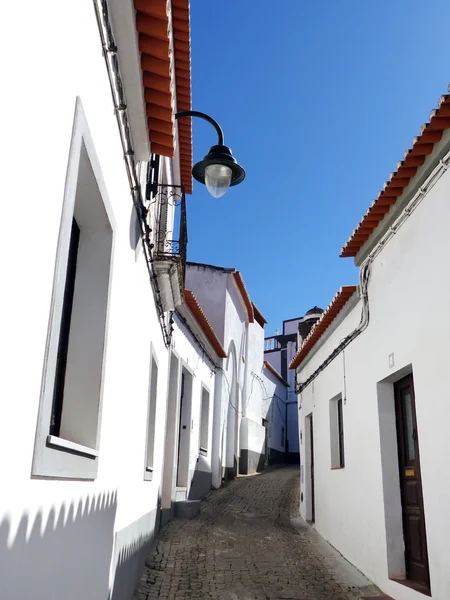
<point x="219" y="155"/>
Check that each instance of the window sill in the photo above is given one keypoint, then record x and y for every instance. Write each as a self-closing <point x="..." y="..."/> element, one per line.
<point x="148" y="474"/>
<point x="68" y="446"/>
<point x="418" y="587"/>
<point x="203" y="452"/>
<point x="337" y="468"/>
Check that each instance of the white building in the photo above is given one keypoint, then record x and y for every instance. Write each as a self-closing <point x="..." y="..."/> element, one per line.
<point x="109" y="374"/>
<point x="241" y="421"/>
<point x="373" y="390"/>
<point x="279" y="350"/>
<point x="276" y="410"/>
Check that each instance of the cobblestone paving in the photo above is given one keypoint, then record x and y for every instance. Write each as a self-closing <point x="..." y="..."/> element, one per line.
<point x="242" y="546"/>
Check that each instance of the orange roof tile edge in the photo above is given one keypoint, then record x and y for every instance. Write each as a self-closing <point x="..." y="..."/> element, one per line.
<point x="203" y="322"/>
<point x="422" y="146"/>
<point x="259" y="317"/>
<point x="241" y="285"/>
<point x="275" y="372"/>
<point x="152" y="24"/>
<point x="328" y="316"/>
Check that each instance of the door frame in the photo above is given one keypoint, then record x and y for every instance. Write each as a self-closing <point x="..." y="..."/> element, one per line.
<point x="184" y="427"/>
<point x="309" y="469"/>
<point x="265" y="424"/>
<point x="407" y="383"/>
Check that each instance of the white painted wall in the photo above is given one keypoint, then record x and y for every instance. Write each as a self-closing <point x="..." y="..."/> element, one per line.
<point x="239" y="394"/>
<point x="358" y="507"/>
<point x="291" y="326"/>
<point x="254" y="390"/>
<point x="55" y="530"/>
<point x="219" y="297"/>
<point x="200" y="371"/>
<point x="274" y="409"/>
<point x="209" y="285"/>
<point x="274" y="357"/>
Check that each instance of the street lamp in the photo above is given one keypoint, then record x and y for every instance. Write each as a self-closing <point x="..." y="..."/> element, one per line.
<point x="218" y="170"/>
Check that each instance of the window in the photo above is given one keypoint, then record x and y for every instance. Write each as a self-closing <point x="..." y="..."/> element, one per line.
<point x="66" y="318"/>
<point x="151" y="419"/>
<point x="204" y="422"/>
<point x="70" y="406"/>
<point x="337" y="433"/>
<point x="152" y="176"/>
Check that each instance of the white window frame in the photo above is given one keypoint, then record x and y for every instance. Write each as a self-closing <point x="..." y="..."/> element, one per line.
<point x="337" y="462"/>
<point x="151" y="415"/>
<point x="54" y="456"/>
<point x="203" y="450"/>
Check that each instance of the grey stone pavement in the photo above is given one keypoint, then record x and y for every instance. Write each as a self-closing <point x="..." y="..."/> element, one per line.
<point x="247" y="544"/>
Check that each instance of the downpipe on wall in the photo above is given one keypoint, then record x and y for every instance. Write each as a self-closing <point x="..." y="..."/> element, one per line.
<point x="120" y="108"/>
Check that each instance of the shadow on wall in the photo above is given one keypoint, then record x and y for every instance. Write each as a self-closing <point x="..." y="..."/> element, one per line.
<point x="201" y="480"/>
<point x="132" y="546"/>
<point x="66" y="556"/>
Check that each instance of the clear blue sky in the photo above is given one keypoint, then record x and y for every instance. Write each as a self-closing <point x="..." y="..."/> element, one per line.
<point x="318" y="101"/>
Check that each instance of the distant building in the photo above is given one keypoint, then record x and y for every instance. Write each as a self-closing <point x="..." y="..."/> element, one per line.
<point x="279" y="351"/>
<point x="250" y="395"/>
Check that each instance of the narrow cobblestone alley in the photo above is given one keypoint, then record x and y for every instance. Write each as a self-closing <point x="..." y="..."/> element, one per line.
<point x="243" y="546"/>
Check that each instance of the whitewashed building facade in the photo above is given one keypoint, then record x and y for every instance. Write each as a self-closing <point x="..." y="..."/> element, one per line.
<point x="244" y="387"/>
<point x="372" y="385"/>
<point x="109" y="365"/>
<point x="124" y="402"/>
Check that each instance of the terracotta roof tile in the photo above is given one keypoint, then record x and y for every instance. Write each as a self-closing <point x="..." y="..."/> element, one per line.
<point x="152" y="24"/>
<point x="328" y="316"/>
<point x="203" y="322"/>
<point x="259" y="317"/>
<point x="241" y="285"/>
<point x="422" y="146"/>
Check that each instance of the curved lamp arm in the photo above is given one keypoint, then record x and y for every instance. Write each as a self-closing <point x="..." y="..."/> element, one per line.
<point x="196" y="113"/>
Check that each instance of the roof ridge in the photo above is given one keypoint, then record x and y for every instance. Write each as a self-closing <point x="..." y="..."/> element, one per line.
<point x="203" y="321"/>
<point x="245" y="296"/>
<point x="340" y="299"/>
<point x="258" y="315"/>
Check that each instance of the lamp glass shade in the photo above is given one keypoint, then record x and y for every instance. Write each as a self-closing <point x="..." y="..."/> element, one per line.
<point x="217" y="179"/>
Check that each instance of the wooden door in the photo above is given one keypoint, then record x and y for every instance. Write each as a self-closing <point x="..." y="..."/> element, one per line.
<point x="414" y="531"/>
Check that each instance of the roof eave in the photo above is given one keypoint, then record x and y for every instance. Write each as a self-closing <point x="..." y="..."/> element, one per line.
<point x="423" y="147"/>
<point x="330" y="314"/>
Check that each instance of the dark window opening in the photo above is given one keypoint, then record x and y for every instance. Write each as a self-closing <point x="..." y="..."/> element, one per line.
<point x="63" y="344"/>
<point x="340" y="433"/>
<point x="152" y="177"/>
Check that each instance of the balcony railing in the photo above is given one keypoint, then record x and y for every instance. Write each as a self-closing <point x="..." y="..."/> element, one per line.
<point x="170" y="203"/>
<point x="167" y="218"/>
<point x="173" y="243"/>
<point x="271" y="344"/>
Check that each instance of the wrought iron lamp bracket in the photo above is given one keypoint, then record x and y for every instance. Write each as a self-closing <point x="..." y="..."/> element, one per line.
<point x="165" y="194"/>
